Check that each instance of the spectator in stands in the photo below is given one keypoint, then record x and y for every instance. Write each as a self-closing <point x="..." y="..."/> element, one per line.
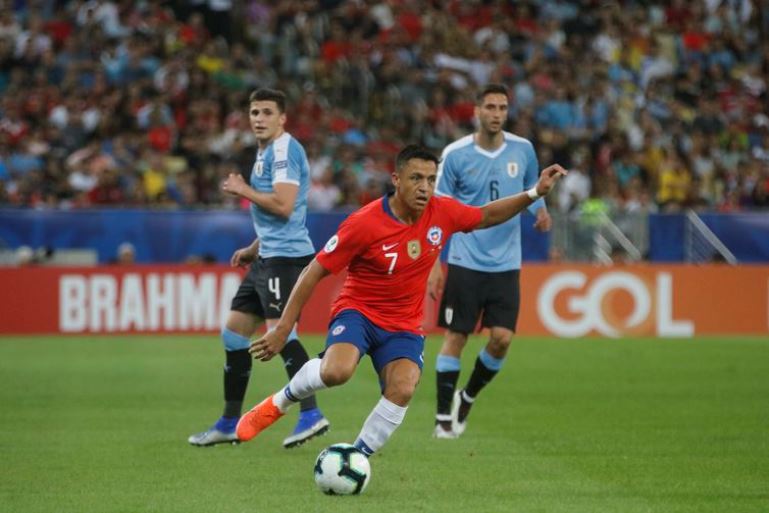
<point x="621" y="79"/>
<point x="25" y="257"/>
<point x="574" y="188"/>
<point x="126" y="254"/>
<point x="324" y="195"/>
<point x="674" y="182"/>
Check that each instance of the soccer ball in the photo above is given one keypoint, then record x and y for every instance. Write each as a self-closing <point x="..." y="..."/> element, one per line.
<point x="341" y="469"/>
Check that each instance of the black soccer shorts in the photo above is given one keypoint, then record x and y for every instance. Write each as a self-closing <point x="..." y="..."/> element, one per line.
<point x="265" y="289"/>
<point x="468" y="293"/>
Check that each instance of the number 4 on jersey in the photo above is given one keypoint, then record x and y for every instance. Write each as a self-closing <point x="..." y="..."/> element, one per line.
<point x="273" y="285"/>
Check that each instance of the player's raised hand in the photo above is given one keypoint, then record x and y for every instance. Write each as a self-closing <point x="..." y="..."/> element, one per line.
<point x="268" y="346"/>
<point x="549" y="176"/>
<point x="234" y="184"/>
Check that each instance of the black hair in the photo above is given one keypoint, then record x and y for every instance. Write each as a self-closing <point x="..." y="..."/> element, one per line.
<point x="414" y="151"/>
<point x="269" y="95"/>
<point x="492" y="89"/>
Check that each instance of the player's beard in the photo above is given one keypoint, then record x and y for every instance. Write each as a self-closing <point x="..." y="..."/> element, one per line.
<point x="492" y="130"/>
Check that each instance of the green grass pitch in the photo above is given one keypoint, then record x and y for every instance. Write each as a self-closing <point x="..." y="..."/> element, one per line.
<point x="621" y="426"/>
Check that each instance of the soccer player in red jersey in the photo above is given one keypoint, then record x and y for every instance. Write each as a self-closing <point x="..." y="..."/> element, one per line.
<point x="388" y="248"/>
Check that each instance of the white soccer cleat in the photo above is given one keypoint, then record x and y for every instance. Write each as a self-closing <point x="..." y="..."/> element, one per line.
<point x="212" y="437"/>
<point x="459" y="404"/>
<point x="443" y="434"/>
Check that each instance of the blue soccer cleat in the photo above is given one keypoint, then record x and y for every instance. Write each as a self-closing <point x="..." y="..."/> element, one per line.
<point x="311" y="423"/>
<point x="222" y="432"/>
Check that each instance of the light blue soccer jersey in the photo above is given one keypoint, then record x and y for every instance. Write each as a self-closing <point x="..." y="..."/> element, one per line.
<point x="283" y="161"/>
<point x="476" y="176"/>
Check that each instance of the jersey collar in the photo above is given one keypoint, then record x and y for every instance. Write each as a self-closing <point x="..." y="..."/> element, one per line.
<point x="490" y="154"/>
<point x="387" y="209"/>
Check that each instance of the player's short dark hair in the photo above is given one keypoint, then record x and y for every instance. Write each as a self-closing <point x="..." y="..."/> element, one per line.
<point x="492" y="89"/>
<point x="414" y="151"/>
<point x="266" y="94"/>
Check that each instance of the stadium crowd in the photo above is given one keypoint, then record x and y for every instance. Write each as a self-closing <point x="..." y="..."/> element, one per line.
<point x="651" y="105"/>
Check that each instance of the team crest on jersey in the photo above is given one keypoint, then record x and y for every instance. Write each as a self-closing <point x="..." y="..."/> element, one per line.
<point x="259" y="168"/>
<point x="512" y="169"/>
<point x="435" y="235"/>
<point x="331" y="244"/>
<point x="414" y="249"/>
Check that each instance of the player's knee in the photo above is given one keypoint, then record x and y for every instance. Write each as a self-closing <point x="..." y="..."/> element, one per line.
<point x="499" y="342"/>
<point x="335" y="374"/>
<point x="453" y="343"/>
<point x="400" y="390"/>
<point x="400" y="395"/>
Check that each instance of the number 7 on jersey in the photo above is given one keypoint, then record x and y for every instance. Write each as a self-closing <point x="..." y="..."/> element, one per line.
<point x="394" y="257"/>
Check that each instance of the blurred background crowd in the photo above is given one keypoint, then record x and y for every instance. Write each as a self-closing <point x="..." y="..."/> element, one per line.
<point x="653" y="106"/>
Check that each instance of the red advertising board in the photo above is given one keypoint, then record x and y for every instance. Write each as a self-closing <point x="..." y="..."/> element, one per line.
<point x="560" y="300"/>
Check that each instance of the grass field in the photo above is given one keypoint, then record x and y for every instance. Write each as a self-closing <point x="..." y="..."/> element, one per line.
<point x="100" y="425"/>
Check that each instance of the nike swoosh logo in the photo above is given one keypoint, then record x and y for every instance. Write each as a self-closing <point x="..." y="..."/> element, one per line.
<point x="385" y="247"/>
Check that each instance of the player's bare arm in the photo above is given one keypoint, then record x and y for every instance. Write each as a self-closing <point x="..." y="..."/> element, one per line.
<point x="273" y="341"/>
<point x="244" y="256"/>
<point x="435" y="280"/>
<point x="279" y="202"/>
<point x="503" y="209"/>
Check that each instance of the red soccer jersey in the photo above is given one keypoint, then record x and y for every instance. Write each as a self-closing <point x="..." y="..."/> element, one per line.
<point x="388" y="261"/>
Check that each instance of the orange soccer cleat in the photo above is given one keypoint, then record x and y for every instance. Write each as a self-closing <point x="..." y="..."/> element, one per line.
<point x="257" y="419"/>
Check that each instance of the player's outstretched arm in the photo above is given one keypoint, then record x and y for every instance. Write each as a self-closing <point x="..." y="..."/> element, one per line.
<point x="279" y="202"/>
<point x="273" y="341"/>
<point x="503" y="209"/>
